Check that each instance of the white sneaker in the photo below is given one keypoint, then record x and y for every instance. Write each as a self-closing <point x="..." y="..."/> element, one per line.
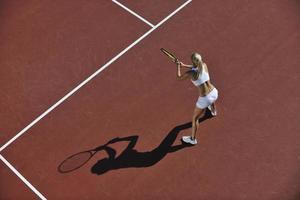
<point x="213" y="113"/>
<point x="189" y="140"/>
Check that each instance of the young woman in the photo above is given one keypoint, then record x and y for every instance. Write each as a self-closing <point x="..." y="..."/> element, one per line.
<point x="208" y="94"/>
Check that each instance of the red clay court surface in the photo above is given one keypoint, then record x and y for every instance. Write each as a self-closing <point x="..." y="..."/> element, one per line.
<point x="250" y="151"/>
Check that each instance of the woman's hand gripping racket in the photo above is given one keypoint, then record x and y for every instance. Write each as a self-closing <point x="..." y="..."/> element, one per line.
<point x="170" y="55"/>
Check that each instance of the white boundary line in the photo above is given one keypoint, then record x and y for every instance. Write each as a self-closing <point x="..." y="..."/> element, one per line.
<point x="22" y="178"/>
<point x="91" y="77"/>
<point x="72" y="92"/>
<point x="133" y="13"/>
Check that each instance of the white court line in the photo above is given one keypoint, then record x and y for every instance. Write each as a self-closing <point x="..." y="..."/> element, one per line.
<point x="22" y="178"/>
<point x="72" y="92"/>
<point x="133" y="13"/>
<point x="91" y="77"/>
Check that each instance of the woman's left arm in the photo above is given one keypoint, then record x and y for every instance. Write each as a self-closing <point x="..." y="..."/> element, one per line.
<point x="185" y="65"/>
<point x="186" y="75"/>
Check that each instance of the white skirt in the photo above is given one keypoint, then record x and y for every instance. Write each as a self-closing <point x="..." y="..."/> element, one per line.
<point x="210" y="98"/>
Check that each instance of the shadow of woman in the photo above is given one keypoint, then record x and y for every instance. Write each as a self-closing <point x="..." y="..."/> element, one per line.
<point x="132" y="158"/>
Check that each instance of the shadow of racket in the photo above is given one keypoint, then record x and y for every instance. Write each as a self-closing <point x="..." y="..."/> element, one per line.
<point x="77" y="160"/>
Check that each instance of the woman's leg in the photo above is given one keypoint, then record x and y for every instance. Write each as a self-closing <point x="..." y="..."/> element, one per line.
<point x="214" y="109"/>
<point x="198" y="112"/>
<point x="213" y="97"/>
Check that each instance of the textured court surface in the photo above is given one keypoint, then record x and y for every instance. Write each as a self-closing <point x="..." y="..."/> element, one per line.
<point x="250" y="151"/>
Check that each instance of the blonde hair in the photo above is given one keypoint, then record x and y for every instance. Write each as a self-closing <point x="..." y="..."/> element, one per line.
<point x="196" y="59"/>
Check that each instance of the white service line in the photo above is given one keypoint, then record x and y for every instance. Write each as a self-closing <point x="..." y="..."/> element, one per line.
<point x="133" y="13"/>
<point x="22" y="178"/>
<point x="91" y="77"/>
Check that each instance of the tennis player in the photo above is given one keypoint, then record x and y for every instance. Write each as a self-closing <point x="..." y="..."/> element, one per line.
<point x="208" y="94"/>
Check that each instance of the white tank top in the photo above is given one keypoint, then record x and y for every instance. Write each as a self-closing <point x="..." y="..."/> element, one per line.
<point x="201" y="79"/>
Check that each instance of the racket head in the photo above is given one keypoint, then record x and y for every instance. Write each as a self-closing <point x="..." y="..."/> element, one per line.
<point x="75" y="161"/>
<point x="169" y="54"/>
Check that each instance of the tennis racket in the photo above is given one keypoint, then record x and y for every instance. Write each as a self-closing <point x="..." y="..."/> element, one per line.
<point x="170" y="55"/>
<point x="77" y="160"/>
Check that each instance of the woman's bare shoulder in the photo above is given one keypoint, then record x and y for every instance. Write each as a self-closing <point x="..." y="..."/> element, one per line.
<point x="205" y="67"/>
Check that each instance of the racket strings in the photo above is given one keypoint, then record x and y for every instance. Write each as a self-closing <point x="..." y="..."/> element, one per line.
<point x="75" y="161"/>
